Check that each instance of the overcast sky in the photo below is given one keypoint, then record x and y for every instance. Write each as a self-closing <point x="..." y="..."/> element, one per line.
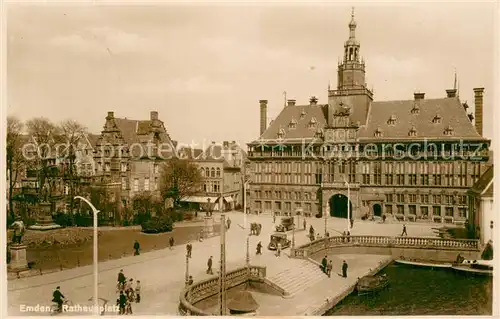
<point x="204" y="68"/>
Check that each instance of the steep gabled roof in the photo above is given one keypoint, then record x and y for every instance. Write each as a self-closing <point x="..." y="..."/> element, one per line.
<point x="189" y="153"/>
<point x="485" y="183"/>
<point x="302" y="115"/>
<point x="430" y="118"/>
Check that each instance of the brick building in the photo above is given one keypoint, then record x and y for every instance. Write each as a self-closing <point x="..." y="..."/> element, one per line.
<point x="128" y="156"/>
<point x="222" y="167"/>
<point x="413" y="159"/>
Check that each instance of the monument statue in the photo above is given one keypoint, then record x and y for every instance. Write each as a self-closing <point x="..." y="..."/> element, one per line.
<point x="19" y="230"/>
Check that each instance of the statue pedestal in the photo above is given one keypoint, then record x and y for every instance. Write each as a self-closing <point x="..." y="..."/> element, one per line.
<point x="44" y="219"/>
<point x="208" y="229"/>
<point x="18" y="261"/>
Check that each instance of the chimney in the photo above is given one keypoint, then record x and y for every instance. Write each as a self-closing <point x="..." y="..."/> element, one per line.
<point x="213" y="142"/>
<point x="291" y="102"/>
<point x="263" y="116"/>
<point x="419" y="96"/>
<point x="153" y="115"/>
<point x="110" y="115"/>
<point x="313" y="100"/>
<point x="478" y="113"/>
<point x="225" y="144"/>
<point x="451" y="92"/>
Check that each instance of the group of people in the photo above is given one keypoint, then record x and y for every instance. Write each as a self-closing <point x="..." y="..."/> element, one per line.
<point x="127" y="293"/>
<point x="327" y="266"/>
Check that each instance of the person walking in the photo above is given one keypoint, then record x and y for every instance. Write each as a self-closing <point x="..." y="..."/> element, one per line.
<point x="305" y="224"/>
<point x="122" y="301"/>
<point x="278" y="250"/>
<point x="329" y="268"/>
<point x="259" y="248"/>
<point x="189" y="249"/>
<point x="404" y="233"/>
<point x="324" y="263"/>
<point x="209" y="266"/>
<point x="137" y="247"/>
<point x="352" y="223"/>
<point x="274" y="218"/>
<point x="171" y="242"/>
<point x="138" y="291"/>
<point x="228" y="223"/>
<point x="344" y="269"/>
<point x="121" y="280"/>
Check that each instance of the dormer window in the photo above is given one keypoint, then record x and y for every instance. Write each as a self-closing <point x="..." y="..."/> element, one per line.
<point x="292" y="124"/>
<point x="413" y="131"/>
<point x="391" y="120"/>
<point x="319" y="133"/>
<point x="312" y="123"/>
<point x="437" y="119"/>
<point x="448" y="131"/>
<point x="281" y="133"/>
<point x="415" y="109"/>
<point x="378" y="132"/>
<point x="302" y="114"/>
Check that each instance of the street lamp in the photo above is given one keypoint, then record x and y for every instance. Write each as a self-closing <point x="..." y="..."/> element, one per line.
<point x="327" y="209"/>
<point x="293" y="233"/>
<point x="348" y="204"/>
<point x="187" y="269"/>
<point x="96" y="282"/>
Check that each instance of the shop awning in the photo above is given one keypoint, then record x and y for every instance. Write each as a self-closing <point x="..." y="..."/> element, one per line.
<point x="199" y="199"/>
<point x="228" y="199"/>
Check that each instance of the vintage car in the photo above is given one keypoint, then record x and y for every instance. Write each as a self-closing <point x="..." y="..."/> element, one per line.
<point x="286" y="224"/>
<point x="278" y="238"/>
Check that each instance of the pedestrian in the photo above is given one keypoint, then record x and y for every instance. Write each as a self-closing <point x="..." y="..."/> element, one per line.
<point x="344" y="269"/>
<point x="171" y="242"/>
<point x="136" y="248"/>
<point x="329" y="268"/>
<point x="209" y="266"/>
<point x="189" y="249"/>
<point x="327" y="235"/>
<point x="384" y="218"/>
<point x="352" y="222"/>
<point x="259" y="248"/>
<point x="348" y="236"/>
<point x="404" y="233"/>
<point x="274" y="218"/>
<point x="278" y="250"/>
<point x="129" y="287"/>
<point x="121" y="280"/>
<point x="228" y="223"/>
<point x="324" y="263"/>
<point x="311" y="230"/>
<point x="344" y="235"/>
<point x="305" y="224"/>
<point x="122" y="303"/>
<point x="138" y="291"/>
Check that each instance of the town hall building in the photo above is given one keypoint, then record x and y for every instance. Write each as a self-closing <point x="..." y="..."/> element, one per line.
<point x="412" y="159"/>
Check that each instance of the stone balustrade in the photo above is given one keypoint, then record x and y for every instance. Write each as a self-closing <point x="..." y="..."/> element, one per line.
<point x="206" y="288"/>
<point x="384" y="241"/>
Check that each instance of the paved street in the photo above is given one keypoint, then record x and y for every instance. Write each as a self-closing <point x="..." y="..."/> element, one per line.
<point x="162" y="272"/>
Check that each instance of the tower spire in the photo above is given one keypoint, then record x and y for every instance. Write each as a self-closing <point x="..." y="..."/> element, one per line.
<point x="352" y="26"/>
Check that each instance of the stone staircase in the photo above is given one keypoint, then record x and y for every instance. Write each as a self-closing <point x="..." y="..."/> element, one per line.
<point x="302" y="275"/>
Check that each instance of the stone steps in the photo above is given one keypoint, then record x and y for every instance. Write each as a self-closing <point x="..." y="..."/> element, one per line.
<point x="302" y="275"/>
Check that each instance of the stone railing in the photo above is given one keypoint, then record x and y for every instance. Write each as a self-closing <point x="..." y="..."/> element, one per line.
<point x="313" y="247"/>
<point x="204" y="289"/>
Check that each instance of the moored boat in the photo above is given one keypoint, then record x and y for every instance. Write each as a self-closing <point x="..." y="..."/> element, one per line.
<point x="371" y="284"/>
<point x="427" y="264"/>
<point x="475" y="267"/>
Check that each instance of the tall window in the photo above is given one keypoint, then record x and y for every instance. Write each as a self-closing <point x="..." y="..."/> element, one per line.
<point x="436" y="173"/>
<point x="424" y="173"/>
<point x="366" y="173"/>
<point x="156" y="184"/>
<point x="352" y="172"/>
<point x="136" y="184"/>
<point x="218" y="172"/>
<point x="124" y="183"/>
<point x="462" y="174"/>
<point x="436" y="210"/>
<point x="156" y="168"/>
<point x="412" y="176"/>
<point x="388" y="198"/>
<point x="476" y="172"/>
<point x="449" y="174"/>
<point x="388" y="173"/>
<point x="424" y="211"/>
<point x="449" y="211"/>
<point x="146" y="184"/>
<point x="400" y="173"/>
<point x="377" y="173"/>
<point x="319" y="173"/>
<point x="212" y="172"/>
<point x="424" y="198"/>
<point x="342" y="167"/>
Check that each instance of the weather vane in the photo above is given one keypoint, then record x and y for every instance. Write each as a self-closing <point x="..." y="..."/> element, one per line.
<point x="352" y="13"/>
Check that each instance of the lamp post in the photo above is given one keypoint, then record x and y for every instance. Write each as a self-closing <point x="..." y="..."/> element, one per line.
<point x="327" y="208"/>
<point x="293" y="234"/>
<point x="222" y="271"/>
<point x="348" y="204"/>
<point x="96" y="281"/>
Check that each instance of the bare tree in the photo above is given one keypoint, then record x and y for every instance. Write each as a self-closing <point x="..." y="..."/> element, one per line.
<point x="46" y="137"/>
<point x="72" y="134"/>
<point x="15" y="158"/>
<point x="179" y="178"/>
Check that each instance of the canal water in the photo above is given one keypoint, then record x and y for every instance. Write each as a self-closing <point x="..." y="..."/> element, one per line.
<point x="422" y="291"/>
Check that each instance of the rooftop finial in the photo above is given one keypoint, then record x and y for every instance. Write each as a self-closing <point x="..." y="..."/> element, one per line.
<point x="352" y="13"/>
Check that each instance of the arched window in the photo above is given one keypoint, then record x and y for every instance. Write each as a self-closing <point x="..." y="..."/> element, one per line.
<point x="207" y="172"/>
<point x="350" y="54"/>
<point x="218" y="172"/>
<point x="202" y="171"/>
<point x="212" y="171"/>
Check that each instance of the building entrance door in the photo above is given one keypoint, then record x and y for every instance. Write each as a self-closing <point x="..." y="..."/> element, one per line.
<point x="338" y="206"/>
<point x="377" y="210"/>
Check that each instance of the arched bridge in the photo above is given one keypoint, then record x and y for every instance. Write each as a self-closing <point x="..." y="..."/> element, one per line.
<point x="411" y="247"/>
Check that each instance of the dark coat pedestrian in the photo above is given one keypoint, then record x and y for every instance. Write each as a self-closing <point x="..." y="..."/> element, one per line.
<point x="228" y="223"/>
<point x="122" y="302"/>
<point x="329" y="268"/>
<point x="209" y="266"/>
<point x="352" y="223"/>
<point x="305" y="224"/>
<point x="324" y="263"/>
<point x="137" y="247"/>
<point x="404" y="233"/>
<point x="121" y="278"/>
<point x="344" y="269"/>
<point x="138" y="291"/>
<point x="259" y="248"/>
<point x="189" y="249"/>
<point x="171" y="242"/>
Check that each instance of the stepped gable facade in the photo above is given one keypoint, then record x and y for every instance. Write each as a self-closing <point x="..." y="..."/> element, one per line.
<point x="413" y="159"/>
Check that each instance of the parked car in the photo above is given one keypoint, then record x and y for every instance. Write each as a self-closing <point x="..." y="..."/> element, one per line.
<point x="278" y="238"/>
<point x="287" y="223"/>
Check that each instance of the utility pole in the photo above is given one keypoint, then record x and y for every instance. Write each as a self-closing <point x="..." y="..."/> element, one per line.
<point x="187" y="269"/>
<point x="222" y="270"/>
